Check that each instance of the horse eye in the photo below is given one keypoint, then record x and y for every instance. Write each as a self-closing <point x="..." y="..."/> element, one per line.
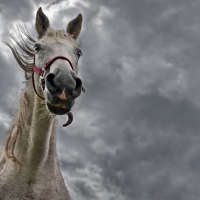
<point x="79" y="54"/>
<point x="37" y="48"/>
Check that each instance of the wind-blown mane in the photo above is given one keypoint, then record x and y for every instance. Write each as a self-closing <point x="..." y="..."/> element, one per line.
<point x="13" y="134"/>
<point x="24" y="54"/>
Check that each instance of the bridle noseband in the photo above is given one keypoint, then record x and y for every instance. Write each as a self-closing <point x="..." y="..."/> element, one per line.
<point x="39" y="71"/>
<point x="42" y="73"/>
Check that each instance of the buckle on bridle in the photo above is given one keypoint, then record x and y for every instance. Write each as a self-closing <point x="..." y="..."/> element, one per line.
<point x="42" y="75"/>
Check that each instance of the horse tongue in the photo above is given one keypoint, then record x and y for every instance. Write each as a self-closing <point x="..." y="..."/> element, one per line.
<point x="70" y="119"/>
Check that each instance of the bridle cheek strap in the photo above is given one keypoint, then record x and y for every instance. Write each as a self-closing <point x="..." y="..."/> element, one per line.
<point x="41" y="72"/>
<point x="34" y="88"/>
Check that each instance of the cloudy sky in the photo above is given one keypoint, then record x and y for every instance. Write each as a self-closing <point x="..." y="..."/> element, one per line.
<point x="136" y="130"/>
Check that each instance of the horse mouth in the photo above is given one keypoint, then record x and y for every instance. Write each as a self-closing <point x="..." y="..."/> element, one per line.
<point x="57" y="109"/>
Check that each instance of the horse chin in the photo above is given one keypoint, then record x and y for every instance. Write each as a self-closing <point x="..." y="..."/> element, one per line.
<point x="57" y="109"/>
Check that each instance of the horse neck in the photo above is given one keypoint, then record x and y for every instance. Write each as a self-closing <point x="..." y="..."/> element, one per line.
<point x="35" y="146"/>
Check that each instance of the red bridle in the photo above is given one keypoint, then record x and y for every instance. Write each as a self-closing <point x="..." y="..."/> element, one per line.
<point x="41" y="73"/>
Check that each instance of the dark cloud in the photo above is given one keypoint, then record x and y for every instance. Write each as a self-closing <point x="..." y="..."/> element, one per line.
<point x="153" y="155"/>
<point x="16" y="10"/>
<point x="54" y="3"/>
<point x="85" y="190"/>
<point x="135" y="133"/>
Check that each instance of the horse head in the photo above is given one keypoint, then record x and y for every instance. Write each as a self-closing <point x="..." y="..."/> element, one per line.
<point x="56" y="63"/>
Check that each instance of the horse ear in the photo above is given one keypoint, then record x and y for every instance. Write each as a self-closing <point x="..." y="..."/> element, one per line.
<point x="74" y="26"/>
<point x="41" y="23"/>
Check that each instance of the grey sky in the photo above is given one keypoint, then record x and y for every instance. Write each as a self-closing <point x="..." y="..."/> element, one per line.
<point x="136" y="130"/>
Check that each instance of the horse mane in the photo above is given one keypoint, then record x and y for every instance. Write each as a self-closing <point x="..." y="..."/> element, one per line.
<point x="25" y="53"/>
<point x="13" y="134"/>
<point x="59" y="35"/>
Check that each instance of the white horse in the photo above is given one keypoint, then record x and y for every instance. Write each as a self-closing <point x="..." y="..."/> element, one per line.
<point x="28" y="160"/>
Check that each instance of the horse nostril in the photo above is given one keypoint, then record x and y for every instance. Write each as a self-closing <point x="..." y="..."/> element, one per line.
<point x="50" y="82"/>
<point x="53" y="85"/>
<point x="77" y="91"/>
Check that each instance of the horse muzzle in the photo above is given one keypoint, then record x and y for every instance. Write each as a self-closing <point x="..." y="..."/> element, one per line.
<point x="61" y="91"/>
